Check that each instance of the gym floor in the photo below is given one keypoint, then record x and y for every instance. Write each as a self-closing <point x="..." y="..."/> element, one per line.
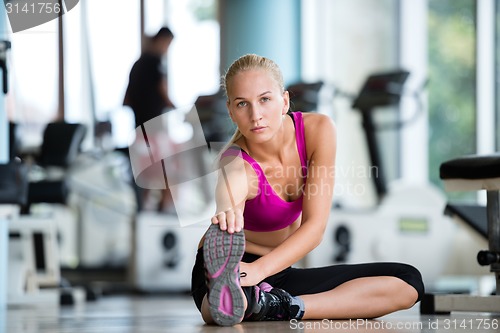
<point x="177" y="313"/>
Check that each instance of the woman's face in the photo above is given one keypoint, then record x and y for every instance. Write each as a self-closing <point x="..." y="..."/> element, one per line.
<point x="256" y="104"/>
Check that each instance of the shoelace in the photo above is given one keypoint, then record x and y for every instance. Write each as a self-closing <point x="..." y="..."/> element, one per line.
<point x="278" y="306"/>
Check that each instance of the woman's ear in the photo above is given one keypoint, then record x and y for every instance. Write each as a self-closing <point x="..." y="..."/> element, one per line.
<point x="286" y="102"/>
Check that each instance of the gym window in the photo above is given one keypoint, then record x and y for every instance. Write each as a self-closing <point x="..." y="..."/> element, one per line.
<point x="452" y="83"/>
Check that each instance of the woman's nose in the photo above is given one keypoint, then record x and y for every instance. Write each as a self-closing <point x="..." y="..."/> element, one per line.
<point x="256" y="112"/>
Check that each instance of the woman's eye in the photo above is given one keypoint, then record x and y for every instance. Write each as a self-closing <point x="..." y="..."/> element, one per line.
<point x="265" y="99"/>
<point x="241" y="104"/>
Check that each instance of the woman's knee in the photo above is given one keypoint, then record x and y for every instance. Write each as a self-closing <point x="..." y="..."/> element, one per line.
<point x="413" y="277"/>
<point x="409" y="295"/>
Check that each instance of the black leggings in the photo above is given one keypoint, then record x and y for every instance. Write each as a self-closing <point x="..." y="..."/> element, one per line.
<point x="302" y="281"/>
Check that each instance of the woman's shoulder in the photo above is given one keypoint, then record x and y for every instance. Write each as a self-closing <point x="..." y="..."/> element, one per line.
<point x="318" y="121"/>
<point x="318" y="129"/>
<point x="235" y="155"/>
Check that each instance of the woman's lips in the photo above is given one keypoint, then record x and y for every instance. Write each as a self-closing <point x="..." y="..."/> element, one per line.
<point x="258" y="129"/>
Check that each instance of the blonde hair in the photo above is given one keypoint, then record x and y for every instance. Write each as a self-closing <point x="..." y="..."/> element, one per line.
<point x="245" y="63"/>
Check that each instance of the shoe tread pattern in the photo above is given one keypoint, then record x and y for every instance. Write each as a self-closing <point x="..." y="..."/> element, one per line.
<point x="219" y="248"/>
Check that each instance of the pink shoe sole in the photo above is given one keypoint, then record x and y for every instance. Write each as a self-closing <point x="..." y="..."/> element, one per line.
<point x="222" y="253"/>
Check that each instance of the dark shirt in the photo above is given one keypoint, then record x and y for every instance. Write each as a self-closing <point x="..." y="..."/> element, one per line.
<point x="143" y="91"/>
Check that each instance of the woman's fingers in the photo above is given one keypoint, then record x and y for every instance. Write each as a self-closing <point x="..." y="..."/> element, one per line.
<point x="234" y="219"/>
<point x="238" y="220"/>
<point x="230" y="220"/>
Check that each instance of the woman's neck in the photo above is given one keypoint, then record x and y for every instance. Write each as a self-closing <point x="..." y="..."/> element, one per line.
<point x="272" y="149"/>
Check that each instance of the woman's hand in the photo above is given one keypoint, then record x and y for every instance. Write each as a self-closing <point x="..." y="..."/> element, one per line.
<point x="230" y="220"/>
<point x="250" y="274"/>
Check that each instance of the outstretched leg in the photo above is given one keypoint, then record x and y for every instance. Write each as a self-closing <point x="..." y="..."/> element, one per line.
<point x="368" y="297"/>
<point x="333" y="292"/>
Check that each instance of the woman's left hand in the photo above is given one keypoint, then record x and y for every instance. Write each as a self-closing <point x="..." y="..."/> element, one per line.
<point x="250" y="275"/>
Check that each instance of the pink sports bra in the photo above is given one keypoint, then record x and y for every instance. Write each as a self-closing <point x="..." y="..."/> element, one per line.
<point x="267" y="211"/>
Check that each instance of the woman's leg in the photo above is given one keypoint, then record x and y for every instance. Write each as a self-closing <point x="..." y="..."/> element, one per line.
<point x="353" y="291"/>
<point x="335" y="292"/>
<point x="367" y="297"/>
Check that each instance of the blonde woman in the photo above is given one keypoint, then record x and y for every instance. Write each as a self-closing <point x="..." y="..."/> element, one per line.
<point x="272" y="209"/>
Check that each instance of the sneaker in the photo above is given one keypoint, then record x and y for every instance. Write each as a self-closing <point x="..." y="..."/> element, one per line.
<point x="264" y="286"/>
<point x="222" y="253"/>
<point x="277" y="304"/>
<point x="253" y="295"/>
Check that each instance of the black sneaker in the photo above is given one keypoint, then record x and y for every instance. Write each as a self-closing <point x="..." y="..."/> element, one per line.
<point x="277" y="304"/>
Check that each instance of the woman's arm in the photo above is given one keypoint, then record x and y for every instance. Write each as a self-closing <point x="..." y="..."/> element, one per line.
<point x="231" y="193"/>
<point x="320" y="135"/>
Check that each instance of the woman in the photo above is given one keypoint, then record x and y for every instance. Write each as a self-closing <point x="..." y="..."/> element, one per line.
<point x="273" y="198"/>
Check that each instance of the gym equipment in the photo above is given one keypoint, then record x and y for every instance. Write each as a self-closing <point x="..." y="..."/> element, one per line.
<point x="6" y="210"/>
<point x="105" y="204"/>
<point x="35" y="276"/>
<point x="47" y="177"/>
<point x="13" y="183"/>
<point x="214" y="119"/>
<point x="14" y="141"/>
<point x="379" y="90"/>
<point x="34" y="272"/>
<point x="305" y="97"/>
<point x="13" y="194"/>
<point x="32" y="248"/>
<point x="165" y="252"/>
<point x="407" y="226"/>
<point x="407" y="223"/>
<point x="474" y="215"/>
<point x="474" y="173"/>
<point x="5" y="45"/>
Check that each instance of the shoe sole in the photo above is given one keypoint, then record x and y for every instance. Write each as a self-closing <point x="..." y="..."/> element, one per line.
<point x="222" y="253"/>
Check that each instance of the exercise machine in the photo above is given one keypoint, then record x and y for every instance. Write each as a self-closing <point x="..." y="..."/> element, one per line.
<point x="406" y="223"/>
<point x="6" y="209"/>
<point x="474" y="173"/>
<point x="104" y="206"/>
<point x="34" y="272"/>
<point x="165" y="252"/>
<point x="34" y="264"/>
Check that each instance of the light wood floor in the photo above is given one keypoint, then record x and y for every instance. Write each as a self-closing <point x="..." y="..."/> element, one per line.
<point x="148" y="314"/>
